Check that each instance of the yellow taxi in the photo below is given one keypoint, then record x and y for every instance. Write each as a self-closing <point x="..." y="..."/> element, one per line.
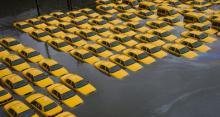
<point x="50" y="20"/>
<point x="159" y="24"/>
<point x="4" y="70"/>
<point x="148" y="6"/>
<point x="137" y="26"/>
<point x="74" y="40"/>
<point x="17" y="108"/>
<point x="139" y="56"/>
<point x="3" y="52"/>
<point x="124" y="8"/>
<point x="146" y="14"/>
<point x="100" y="22"/>
<point x="45" y="105"/>
<point x="60" y="45"/>
<point x="81" y="23"/>
<point x="106" y="9"/>
<point x="165" y="10"/>
<point x="24" y="26"/>
<point x="61" y="16"/>
<point x="172" y="20"/>
<point x="55" y="31"/>
<point x="111" y="69"/>
<point x="195" y="17"/>
<point x="37" y="23"/>
<point x="163" y="34"/>
<point x="90" y="12"/>
<point x="67" y="27"/>
<point x="11" y="43"/>
<point x="179" y="50"/>
<point x="77" y="14"/>
<point x="133" y="3"/>
<point x="88" y="34"/>
<point x="64" y="94"/>
<point x="16" y="62"/>
<point x="66" y="114"/>
<point x="121" y="29"/>
<point x="102" y="31"/>
<point x="204" y="37"/>
<point x="40" y="35"/>
<point x="112" y="19"/>
<point x="53" y="67"/>
<point x="129" y="17"/>
<point x="193" y="44"/>
<point x="78" y="84"/>
<point x="5" y="96"/>
<point x="125" y="62"/>
<point x="201" y="27"/>
<point x="152" y="50"/>
<point x="98" y="50"/>
<point x="84" y="55"/>
<point x="17" y="84"/>
<point x="187" y="10"/>
<point x="211" y="17"/>
<point x="149" y="38"/>
<point x="30" y="54"/>
<point x="37" y="77"/>
<point x="111" y="44"/>
<point x="125" y="40"/>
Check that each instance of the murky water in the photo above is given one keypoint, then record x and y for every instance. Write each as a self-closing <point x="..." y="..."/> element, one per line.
<point x="171" y="87"/>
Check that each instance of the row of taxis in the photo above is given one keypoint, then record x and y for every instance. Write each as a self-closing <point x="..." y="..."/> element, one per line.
<point x="65" y="92"/>
<point x="118" y="37"/>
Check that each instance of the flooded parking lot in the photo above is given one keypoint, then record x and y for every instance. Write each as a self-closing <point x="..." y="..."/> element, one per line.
<point x="170" y="87"/>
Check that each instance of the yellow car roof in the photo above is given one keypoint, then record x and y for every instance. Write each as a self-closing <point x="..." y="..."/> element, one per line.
<point x="13" y="78"/>
<point x="57" y="40"/>
<point x="49" y="62"/>
<point x="133" y="23"/>
<point x="81" y="51"/>
<point x="85" y="30"/>
<point x="217" y="20"/>
<point x="18" y="106"/>
<point x="21" y="23"/>
<point x="34" y="71"/>
<point x="44" y="100"/>
<point x="147" y="45"/>
<point x="65" y="23"/>
<point x="70" y="35"/>
<point x="107" y="63"/>
<point x="178" y="46"/>
<point x="194" y="14"/>
<point x="45" y="16"/>
<point x="108" y="40"/>
<point x="121" y="35"/>
<point x="61" y="88"/>
<point x="97" y="19"/>
<point x="8" y="39"/>
<point x="196" y="32"/>
<point x="28" y="50"/>
<point x="136" y="51"/>
<point x="73" y="77"/>
<point x="93" y="45"/>
<point x="143" y="10"/>
<point x="38" y="31"/>
<point x="160" y="30"/>
<point x="86" y="9"/>
<point x="147" y="3"/>
<point x="74" y="12"/>
<point x="121" y="57"/>
<point x="147" y="35"/>
<point x="107" y="16"/>
<point x="123" y="5"/>
<point x="13" y="57"/>
<point x="189" y="40"/>
<point x="157" y="21"/>
<point x="57" y="13"/>
<point x="51" y="27"/>
<point x="120" y="26"/>
<point x="165" y="7"/>
<point x="97" y="27"/>
<point x="33" y="19"/>
<point x="1" y="88"/>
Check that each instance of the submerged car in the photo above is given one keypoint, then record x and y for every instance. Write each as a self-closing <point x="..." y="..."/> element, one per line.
<point x="24" y="26"/>
<point x="30" y="54"/>
<point x="60" y="45"/>
<point x="204" y="37"/>
<point x="111" y="44"/>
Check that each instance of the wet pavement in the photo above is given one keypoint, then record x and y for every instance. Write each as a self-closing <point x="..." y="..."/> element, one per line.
<point x="171" y="87"/>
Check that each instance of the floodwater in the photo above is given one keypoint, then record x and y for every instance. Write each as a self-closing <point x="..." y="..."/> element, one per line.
<point x="171" y="87"/>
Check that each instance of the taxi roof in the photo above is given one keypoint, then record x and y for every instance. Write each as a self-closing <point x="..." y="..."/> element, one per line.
<point x="94" y="45"/>
<point x="73" y="77"/>
<point x="50" y="62"/>
<point x="51" y="27"/>
<point x="33" y="19"/>
<point x="34" y="71"/>
<point x="18" y="106"/>
<point x="108" y="64"/>
<point x="108" y="40"/>
<point x="136" y="51"/>
<point x="28" y="49"/>
<point x="61" y="88"/>
<point x="165" y="7"/>
<point x="194" y="14"/>
<point x="38" y="31"/>
<point x="121" y="57"/>
<point x="178" y="46"/>
<point x="57" y="40"/>
<point x="13" y="57"/>
<point x="147" y="45"/>
<point x="9" y="39"/>
<point x="190" y="40"/>
<point x="147" y="3"/>
<point x="44" y="100"/>
<point x="81" y="51"/>
<point x="196" y="32"/>
<point x="13" y="78"/>
<point x="58" y="13"/>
